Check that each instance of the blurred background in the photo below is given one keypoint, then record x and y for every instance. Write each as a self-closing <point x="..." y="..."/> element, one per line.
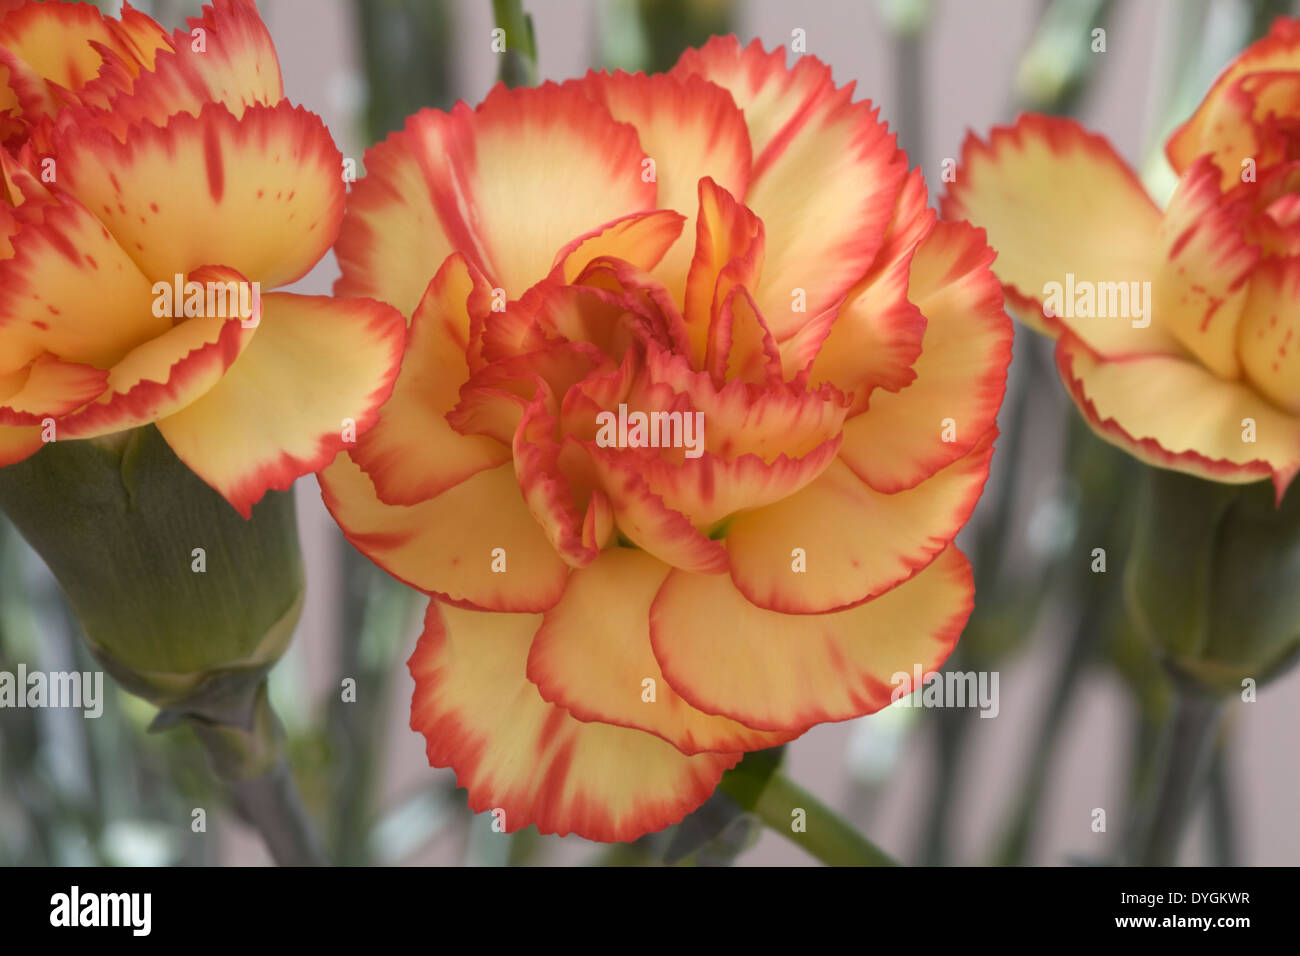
<point x="1079" y="697"/>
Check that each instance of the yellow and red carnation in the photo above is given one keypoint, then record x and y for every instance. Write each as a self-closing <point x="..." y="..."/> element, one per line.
<point x="620" y="612"/>
<point x="136" y="163"/>
<point x="1202" y="375"/>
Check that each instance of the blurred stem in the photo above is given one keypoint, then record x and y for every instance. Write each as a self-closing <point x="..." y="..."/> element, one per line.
<point x="519" y="62"/>
<point x="951" y="727"/>
<point x="246" y="746"/>
<point x="907" y="20"/>
<point x="1184" y="753"/>
<point x="1021" y="827"/>
<point x="1056" y="67"/>
<point x="404" y="44"/>
<point x="375" y="615"/>
<point x="1223" y="826"/>
<point x="828" y="837"/>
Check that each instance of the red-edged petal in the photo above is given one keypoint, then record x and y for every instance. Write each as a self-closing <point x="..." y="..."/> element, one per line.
<point x="729" y="247"/>
<point x="1060" y="206"/>
<point x="1174" y="413"/>
<point x="643" y="517"/>
<point x="960" y="375"/>
<point x="261" y="194"/>
<point x="825" y="180"/>
<point x="531" y="760"/>
<point x="1279" y="51"/>
<point x="640" y="238"/>
<point x="165" y="374"/>
<point x="51" y="388"/>
<point x="787" y="673"/>
<point x="447" y="545"/>
<point x="854" y="542"/>
<point x="691" y="128"/>
<point x="592" y="656"/>
<point x="412" y="452"/>
<point x="312" y="377"/>
<point x="530" y="169"/>
<point x="226" y="56"/>
<point x="1201" y="284"/>
<point x="71" y="290"/>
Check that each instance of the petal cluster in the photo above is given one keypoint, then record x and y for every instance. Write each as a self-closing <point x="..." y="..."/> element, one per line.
<point x="1177" y="330"/>
<point x="137" y="167"/>
<point x="696" y="396"/>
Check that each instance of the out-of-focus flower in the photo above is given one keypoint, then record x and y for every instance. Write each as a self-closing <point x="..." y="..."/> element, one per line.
<point x="1177" y="332"/>
<point x="152" y="187"/>
<point x="1251" y="115"/>
<point x="696" y="396"/>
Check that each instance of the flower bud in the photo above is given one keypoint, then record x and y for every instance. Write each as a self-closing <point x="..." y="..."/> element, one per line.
<point x="1211" y="579"/>
<point x="184" y="602"/>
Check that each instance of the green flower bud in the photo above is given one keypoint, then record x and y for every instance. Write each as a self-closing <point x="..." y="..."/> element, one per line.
<point x="184" y="602"/>
<point x="1212" y="579"/>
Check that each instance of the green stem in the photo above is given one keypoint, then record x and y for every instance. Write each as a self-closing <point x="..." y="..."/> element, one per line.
<point x="1022" y="824"/>
<point x="1185" y="756"/>
<point x="245" y="742"/>
<point x="519" y="62"/>
<point x="826" y="835"/>
<point x="1223" y="827"/>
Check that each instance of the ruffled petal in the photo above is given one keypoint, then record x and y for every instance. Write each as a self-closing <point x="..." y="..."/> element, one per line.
<point x="51" y="388"/>
<point x="71" y="290"/>
<point x="1201" y="284"/>
<point x="691" y="128"/>
<point x="412" y="453"/>
<point x="162" y="376"/>
<point x="446" y="545"/>
<point x="531" y="760"/>
<point x="494" y="174"/>
<point x="1204" y="131"/>
<point x="310" y="380"/>
<point x="960" y="375"/>
<point x="1060" y="206"/>
<point x="853" y="542"/>
<point x="641" y="238"/>
<point x="1174" y="413"/>
<point x="592" y="656"/>
<point x="226" y="56"/>
<point x="825" y="179"/>
<point x="391" y="243"/>
<point x="788" y="672"/>
<point x="261" y="194"/>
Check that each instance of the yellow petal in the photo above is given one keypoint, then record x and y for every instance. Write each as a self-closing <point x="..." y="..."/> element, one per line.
<point x="412" y="453"/>
<point x="1201" y="286"/>
<point x="960" y="376"/>
<point x="1060" y="206"/>
<point x="71" y="290"/>
<point x="261" y="194"/>
<point x="1268" y="337"/>
<point x="788" y="672"/>
<point x="838" y="542"/>
<point x="531" y="760"/>
<point x="691" y="128"/>
<point x="446" y="545"/>
<point x="1173" y="413"/>
<point x="592" y="656"/>
<point x="310" y="380"/>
